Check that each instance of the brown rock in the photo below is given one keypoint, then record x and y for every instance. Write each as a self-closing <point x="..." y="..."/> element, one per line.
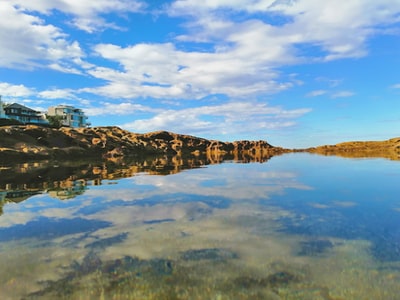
<point x="33" y="142"/>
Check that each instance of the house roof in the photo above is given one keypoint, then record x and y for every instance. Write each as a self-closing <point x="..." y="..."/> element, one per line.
<point x="19" y="106"/>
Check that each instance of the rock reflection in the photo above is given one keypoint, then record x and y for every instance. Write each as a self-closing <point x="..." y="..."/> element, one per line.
<point x="69" y="179"/>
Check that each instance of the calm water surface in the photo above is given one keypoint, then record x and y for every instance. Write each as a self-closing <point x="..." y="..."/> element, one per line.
<point x="298" y="226"/>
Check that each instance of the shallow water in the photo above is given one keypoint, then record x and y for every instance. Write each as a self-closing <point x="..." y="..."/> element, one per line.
<point x="298" y="226"/>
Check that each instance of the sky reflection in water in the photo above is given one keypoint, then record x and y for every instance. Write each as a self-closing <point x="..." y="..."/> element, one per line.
<point x="299" y="226"/>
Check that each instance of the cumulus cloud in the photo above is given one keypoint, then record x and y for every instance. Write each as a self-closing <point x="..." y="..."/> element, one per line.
<point x="161" y="70"/>
<point x="228" y="118"/>
<point x="124" y="108"/>
<point x="64" y="69"/>
<point x="86" y="15"/>
<point x="26" y="41"/>
<point x="339" y="28"/>
<point x="10" y="90"/>
<point x="239" y="49"/>
<point x="217" y="55"/>
<point x="57" y="94"/>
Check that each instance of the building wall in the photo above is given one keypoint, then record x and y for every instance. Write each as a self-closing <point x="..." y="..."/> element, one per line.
<point x="72" y="117"/>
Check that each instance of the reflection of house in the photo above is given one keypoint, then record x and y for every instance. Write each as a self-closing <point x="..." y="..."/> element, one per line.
<point x="24" y="114"/>
<point x="3" y="195"/>
<point x="71" y="116"/>
<point x="17" y="196"/>
<point x="77" y="188"/>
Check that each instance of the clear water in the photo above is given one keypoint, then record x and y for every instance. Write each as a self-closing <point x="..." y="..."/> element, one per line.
<point x="298" y="226"/>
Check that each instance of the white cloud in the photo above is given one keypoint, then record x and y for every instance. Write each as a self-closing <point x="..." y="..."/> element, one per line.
<point x="339" y="28"/>
<point x="193" y="6"/>
<point x="343" y="94"/>
<point x="236" y="48"/>
<point x="396" y="86"/>
<point x="87" y="15"/>
<point x="57" y="94"/>
<point x="64" y="69"/>
<point x="10" y="90"/>
<point x="330" y="82"/>
<point x="117" y="109"/>
<point x="331" y="94"/>
<point x="316" y="93"/>
<point x="245" y="56"/>
<point x="27" y="42"/>
<point x="162" y="71"/>
<point x="229" y="118"/>
<point x="243" y="59"/>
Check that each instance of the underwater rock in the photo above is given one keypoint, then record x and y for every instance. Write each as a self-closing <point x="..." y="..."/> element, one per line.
<point x="216" y="254"/>
<point x="277" y="279"/>
<point x="280" y="278"/>
<point x="314" y="247"/>
<point x="91" y="262"/>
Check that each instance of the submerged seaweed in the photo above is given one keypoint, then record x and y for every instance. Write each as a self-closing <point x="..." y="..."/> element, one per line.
<point x="273" y="280"/>
<point x="114" y="273"/>
<point x="366" y="221"/>
<point x="216" y="254"/>
<point x="314" y="247"/>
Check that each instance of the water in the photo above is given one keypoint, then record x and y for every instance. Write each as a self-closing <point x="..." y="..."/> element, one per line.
<point x="297" y="226"/>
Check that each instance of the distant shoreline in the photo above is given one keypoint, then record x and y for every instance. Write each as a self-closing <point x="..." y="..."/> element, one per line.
<point x="30" y="142"/>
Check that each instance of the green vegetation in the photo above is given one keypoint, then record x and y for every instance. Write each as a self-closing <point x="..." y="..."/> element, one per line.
<point x="8" y="122"/>
<point x="55" y="121"/>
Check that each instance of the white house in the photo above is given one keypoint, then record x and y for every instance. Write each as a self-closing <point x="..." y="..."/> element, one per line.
<point x="71" y="116"/>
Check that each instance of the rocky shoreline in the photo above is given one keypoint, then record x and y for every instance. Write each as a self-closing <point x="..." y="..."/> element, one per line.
<point x="27" y="142"/>
<point x="389" y="149"/>
<point x="32" y="142"/>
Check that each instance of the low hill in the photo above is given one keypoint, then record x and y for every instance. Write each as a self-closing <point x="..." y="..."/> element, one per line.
<point x="387" y="149"/>
<point x="26" y="142"/>
<point x="34" y="142"/>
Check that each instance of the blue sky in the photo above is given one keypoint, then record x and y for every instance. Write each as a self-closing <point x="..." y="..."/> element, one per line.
<point x="296" y="73"/>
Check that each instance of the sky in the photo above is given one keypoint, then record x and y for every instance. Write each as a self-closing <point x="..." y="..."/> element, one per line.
<point x="296" y="73"/>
